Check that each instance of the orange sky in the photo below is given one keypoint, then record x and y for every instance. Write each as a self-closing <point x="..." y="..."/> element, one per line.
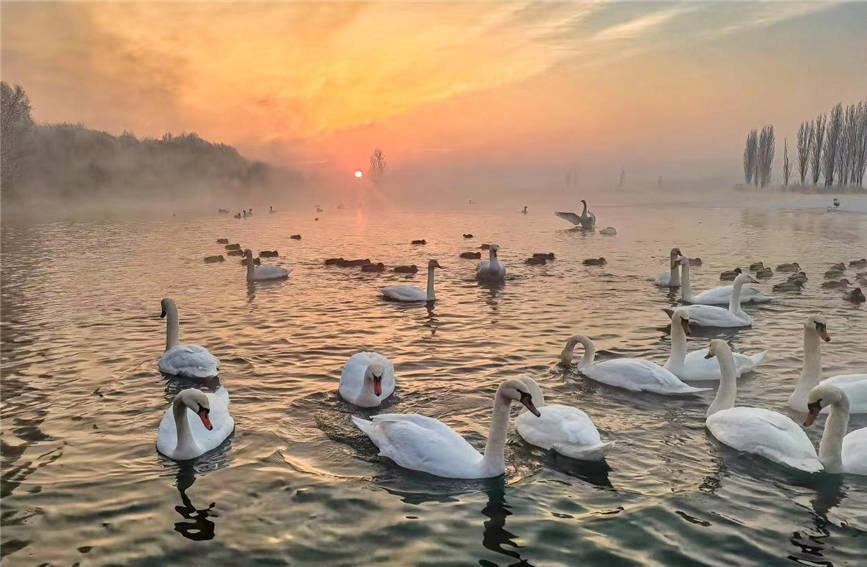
<point x="317" y="86"/>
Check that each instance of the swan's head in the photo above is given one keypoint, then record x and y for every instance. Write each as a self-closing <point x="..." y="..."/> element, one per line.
<point x="675" y="252"/>
<point x="375" y="371"/>
<point x="818" y="324"/>
<point x="517" y="390"/>
<point x="248" y="254"/>
<point x="681" y="314"/>
<point x="197" y="401"/>
<point x="495" y="248"/>
<point x="434" y="264"/>
<point x="167" y="305"/>
<point x="569" y="349"/>
<point x="823" y="396"/>
<point x="745" y="278"/>
<point x="718" y="348"/>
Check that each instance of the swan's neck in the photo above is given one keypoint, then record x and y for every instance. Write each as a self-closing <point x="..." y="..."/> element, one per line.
<point x="678" y="346"/>
<point x="735" y="299"/>
<point x="186" y="443"/>
<point x="430" y="285"/>
<point x="674" y="280"/>
<point x="831" y="446"/>
<point x="584" y="212"/>
<point x="811" y="373"/>
<point x="173" y="328"/>
<point x="685" y="289"/>
<point x="586" y="360"/>
<point x="494" y="458"/>
<point x="728" y="386"/>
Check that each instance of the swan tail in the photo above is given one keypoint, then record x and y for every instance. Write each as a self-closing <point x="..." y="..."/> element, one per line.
<point x="668" y="311"/>
<point x="692" y="390"/>
<point x="584" y="452"/>
<point x="757" y="358"/>
<point x="364" y="425"/>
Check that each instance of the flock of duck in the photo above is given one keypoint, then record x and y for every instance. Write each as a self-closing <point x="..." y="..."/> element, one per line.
<point x="198" y="422"/>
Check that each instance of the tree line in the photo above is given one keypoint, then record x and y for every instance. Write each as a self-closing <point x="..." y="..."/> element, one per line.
<point x="71" y="161"/>
<point x="831" y="149"/>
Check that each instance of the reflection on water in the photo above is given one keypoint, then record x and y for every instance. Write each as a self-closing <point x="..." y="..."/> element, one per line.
<point x="299" y="484"/>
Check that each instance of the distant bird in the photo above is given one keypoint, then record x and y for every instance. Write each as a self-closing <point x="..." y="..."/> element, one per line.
<point x="214" y="259"/>
<point x="756" y="266"/>
<point x="858" y="263"/>
<point x="764" y="273"/>
<point x="356" y="263"/>
<point x="422" y="241"/>
<point x="608" y="231"/>
<point x="544" y="255"/>
<point x="832" y="274"/>
<point x="222" y="241"/>
<point x="406" y="269"/>
<point x="468" y="235"/>
<point x="800" y="276"/>
<point x="268" y="254"/>
<point x="835" y="284"/>
<point x="263" y="273"/>
<point x="491" y="269"/>
<point x="793" y="267"/>
<point x="730" y="275"/>
<point x="855" y="296"/>
<point x="595" y="261"/>
<point x="792" y="285"/>
<point x="585" y="220"/>
<point x="471" y="255"/>
<point x="378" y="267"/>
<point x="839" y="266"/>
<point x="235" y="246"/>
<point x="524" y="210"/>
<point x="234" y="252"/>
<point x="223" y="211"/>
<point x="270" y="209"/>
<point x="534" y="261"/>
<point x="485" y="247"/>
<point x="334" y="261"/>
<point x="295" y="237"/>
<point x="237" y="216"/>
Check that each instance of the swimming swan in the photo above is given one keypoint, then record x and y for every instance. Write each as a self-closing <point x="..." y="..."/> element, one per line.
<point x="409" y="293"/>
<point x="718" y="295"/>
<point x="491" y="269"/>
<point x="694" y="366"/>
<point x="585" y="220"/>
<point x="755" y="430"/>
<point x="838" y="454"/>
<point x="632" y="374"/>
<point x="263" y="273"/>
<point x="425" y="444"/>
<point x="671" y="278"/>
<point x="854" y="385"/>
<point x="367" y="379"/>
<point x="189" y="361"/>
<point x="713" y="316"/>
<point x="564" y="429"/>
<point x="181" y="439"/>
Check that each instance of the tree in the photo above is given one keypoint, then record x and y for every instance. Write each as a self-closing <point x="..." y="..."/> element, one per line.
<point x="860" y="144"/>
<point x="787" y="166"/>
<point x="765" y="156"/>
<point x="832" y="144"/>
<point x="805" y="140"/>
<point x="750" y="156"/>
<point x="15" y="124"/>
<point x="816" y="158"/>
<point x="377" y="165"/>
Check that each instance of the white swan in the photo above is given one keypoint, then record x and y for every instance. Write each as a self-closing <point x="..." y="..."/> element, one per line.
<point x="491" y="269"/>
<point x="854" y="385"/>
<point x="719" y="295"/>
<point x="367" y="379"/>
<point x="713" y="316"/>
<point x="264" y="272"/>
<point x="838" y="453"/>
<point x="630" y="373"/>
<point x="585" y="220"/>
<point x="411" y="293"/>
<point x="425" y="444"/>
<point x="694" y="366"/>
<point x="564" y="429"/>
<point x="671" y="278"/>
<point x="755" y="430"/>
<point x="181" y="439"/>
<point x="188" y="361"/>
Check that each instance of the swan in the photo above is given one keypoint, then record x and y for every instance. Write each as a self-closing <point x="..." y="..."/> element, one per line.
<point x="838" y="453"/>
<point x="755" y="430"/>
<point x="564" y="429"/>
<point x="367" y="379"/>
<point x="181" y="440"/>
<point x="425" y="444"/>
<point x="584" y="220"/>
<point x="410" y="292"/>
<point x="854" y="385"/>
<point x="632" y="374"/>
<point x="263" y="273"/>
<point x="694" y="366"/>
<point x="491" y="269"/>
<point x="718" y="295"/>
<point x="189" y="361"/>
<point x="671" y="278"/>
<point x="713" y="316"/>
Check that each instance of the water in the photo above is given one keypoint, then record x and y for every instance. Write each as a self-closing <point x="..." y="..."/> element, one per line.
<point x="297" y="484"/>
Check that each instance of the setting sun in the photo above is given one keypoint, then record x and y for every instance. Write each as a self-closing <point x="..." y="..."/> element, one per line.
<point x="358" y="173"/>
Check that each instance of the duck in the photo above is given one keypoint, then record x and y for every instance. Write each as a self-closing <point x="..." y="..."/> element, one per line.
<point x="608" y="231"/>
<point x="855" y="296"/>
<point x="234" y="246"/>
<point x="378" y="267"/>
<point x="544" y="255"/>
<point x="835" y="284"/>
<point x="730" y="275"/>
<point x="234" y="252"/>
<point x="719" y="295"/>
<point x="222" y="241"/>
<point x="268" y="254"/>
<point x="765" y="273"/>
<point x="858" y="263"/>
<point x="367" y="379"/>
<point x="425" y="444"/>
<point x="409" y="293"/>
<point x="800" y="276"/>
<point x="837" y="453"/>
<point x="214" y="259"/>
<point x="634" y="374"/>
<point x="182" y="439"/>
<point x="471" y="255"/>
<point x="839" y="266"/>
<point x="833" y="274"/>
<point x="422" y="241"/>
<point x="334" y="261"/>
<point x="411" y="269"/>
<point x="485" y="247"/>
<point x="671" y="278"/>
<point x="600" y="261"/>
<point x="789" y="285"/>
<point x="756" y="266"/>
<point x="533" y="261"/>
<point x="256" y="261"/>
<point x="793" y="267"/>
<point x="491" y="269"/>
<point x="263" y="273"/>
<point x="563" y="429"/>
<point x="855" y="385"/>
<point x="187" y="361"/>
<point x="356" y="263"/>
<point x="295" y="236"/>
<point x="769" y="434"/>
<point x="467" y="235"/>
<point x="237" y="215"/>
<point x="694" y="366"/>
<point x="712" y="316"/>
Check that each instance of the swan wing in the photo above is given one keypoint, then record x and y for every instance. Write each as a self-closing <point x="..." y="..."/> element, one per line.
<point x="722" y="294"/>
<point x="697" y="367"/>
<point x="404" y="293"/>
<point x="639" y="376"/>
<point x="422" y="443"/>
<point x="570" y="217"/>
<point x="189" y="361"/>
<point x="855" y="452"/>
<point x="222" y="422"/>
<point x="765" y="433"/>
<point x="664" y="279"/>
<point x="712" y="316"/>
<point x="558" y="425"/>
<point x="855" y="386"/>
<point x="270" y="272"/>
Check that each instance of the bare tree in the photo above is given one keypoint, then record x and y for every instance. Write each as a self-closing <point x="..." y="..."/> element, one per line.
<point x="377" y="165"/>
<point x="15" y="123"/>
<point x="860" y="145"/>
<point x="765" y="157"/>
<point x="787" y="165"/>
<point x="832" y="144"/>
<point x="750" y="156"/>
<point x="816" y="157"/>
<point x="805" y="140"/>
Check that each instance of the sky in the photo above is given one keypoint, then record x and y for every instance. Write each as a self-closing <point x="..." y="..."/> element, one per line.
<point x="517" y="89"/>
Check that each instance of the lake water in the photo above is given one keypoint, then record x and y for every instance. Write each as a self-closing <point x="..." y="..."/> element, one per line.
<point x="297" y="484"/>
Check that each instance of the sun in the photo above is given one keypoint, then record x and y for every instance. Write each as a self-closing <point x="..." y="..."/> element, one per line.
<point x="358" y="173"/>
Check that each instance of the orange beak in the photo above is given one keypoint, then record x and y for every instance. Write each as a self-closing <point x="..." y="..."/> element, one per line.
<point x="203" y="415"/>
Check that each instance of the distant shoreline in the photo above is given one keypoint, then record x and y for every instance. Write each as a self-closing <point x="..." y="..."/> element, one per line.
<point x="805" y="189"/>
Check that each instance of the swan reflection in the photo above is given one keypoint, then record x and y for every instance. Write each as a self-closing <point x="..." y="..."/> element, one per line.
<point x="495" y="536"/>
<point x="195" y="524"/>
